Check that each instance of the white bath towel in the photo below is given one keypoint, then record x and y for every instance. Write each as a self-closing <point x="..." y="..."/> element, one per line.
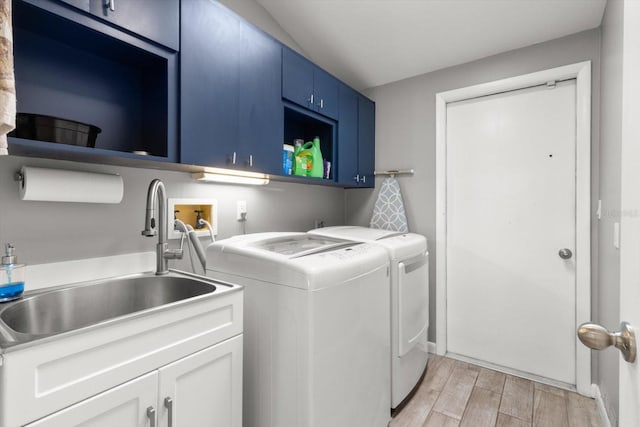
<point x="7" y="79"/>
<point x="388" y="212"/>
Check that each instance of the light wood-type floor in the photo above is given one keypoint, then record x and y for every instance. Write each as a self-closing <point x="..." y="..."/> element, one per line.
<point x="455" y="393"/>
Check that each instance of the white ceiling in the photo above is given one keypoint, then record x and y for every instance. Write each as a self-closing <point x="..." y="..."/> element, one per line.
<point x="372" y="42"/>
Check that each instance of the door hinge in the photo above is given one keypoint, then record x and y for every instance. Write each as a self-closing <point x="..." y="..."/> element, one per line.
<point x="551" y="84"/>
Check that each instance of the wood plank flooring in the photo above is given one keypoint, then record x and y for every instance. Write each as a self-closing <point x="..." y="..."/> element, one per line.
<point x="455" y="393"/>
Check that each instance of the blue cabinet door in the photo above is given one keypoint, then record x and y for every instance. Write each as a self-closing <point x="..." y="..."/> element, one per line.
<point x="209" y="82"/>
<point x="308" y="85"/>
<point x="156" y="20"/>
<point x="366" y="141"/>
<point x="325" y="89"/>
<point x="297" y="78"/>
<point x="231" y="98"/>
<point x="261" y="122"/>
<point x="347" y="167"/>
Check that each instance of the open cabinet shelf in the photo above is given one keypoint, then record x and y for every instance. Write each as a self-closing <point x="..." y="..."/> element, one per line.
<point x="300" y="123"/>
<point x="67" y="70"/>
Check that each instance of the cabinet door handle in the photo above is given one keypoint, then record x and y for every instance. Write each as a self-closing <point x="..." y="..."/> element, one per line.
<point x="356" y="178"/>
<point x="111" y="4"/>
<point x="168" y="403"/>
<point x="151" y="414"/>
<point x="321" y="103"/>
<point x="364" y="179"/>
<point x="250" y="160"/>
<point x="233" y="158"/>
<point x="311" y="99"/>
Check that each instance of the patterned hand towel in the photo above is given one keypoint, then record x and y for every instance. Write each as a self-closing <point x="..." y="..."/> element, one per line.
<point x="7" y="80"/>
<point x="388" y="212"/>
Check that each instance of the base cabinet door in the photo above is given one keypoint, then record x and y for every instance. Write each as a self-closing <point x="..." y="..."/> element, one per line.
<point x="132" y="404"/>
<point x="204" y="389"/>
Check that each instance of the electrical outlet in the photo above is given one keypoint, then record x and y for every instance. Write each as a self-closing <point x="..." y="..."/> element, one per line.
<point x="241" y="210"/>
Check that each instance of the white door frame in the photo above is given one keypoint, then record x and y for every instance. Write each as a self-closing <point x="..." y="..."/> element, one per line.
<point x="582" y="73"/>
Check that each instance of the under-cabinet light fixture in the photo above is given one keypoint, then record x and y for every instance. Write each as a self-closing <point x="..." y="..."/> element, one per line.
<point x="230" y="176"/>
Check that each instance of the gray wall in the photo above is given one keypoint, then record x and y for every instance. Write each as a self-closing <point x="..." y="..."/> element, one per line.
<point x="49" y="231"/>
<point x="608" y="296"/>
<point x="405" y="128"/>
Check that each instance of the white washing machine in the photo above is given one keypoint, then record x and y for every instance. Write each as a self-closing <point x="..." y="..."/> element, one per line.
<point x="316" y="328"/>
<point x="409" y="260"/>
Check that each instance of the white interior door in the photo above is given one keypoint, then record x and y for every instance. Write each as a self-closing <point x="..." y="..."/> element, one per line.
<point x="510" y="209"/>
<point x="630" y="208"/>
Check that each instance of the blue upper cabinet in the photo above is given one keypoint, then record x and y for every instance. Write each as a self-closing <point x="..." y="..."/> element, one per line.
<point x="366" y="140"/>
<point x="308" y="85"/>
<point x="209" y="84"/>
<point x="325" y="89"/>
<point x="356" y="139"/>
<point x="260" y="112"/>
<point x="156" y="20"/>
<point x="297" y="78"/>
<point x="231" y="109"/>
<point x="348" y="137"/>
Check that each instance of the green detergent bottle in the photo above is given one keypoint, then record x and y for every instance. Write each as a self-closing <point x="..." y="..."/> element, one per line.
<point x="299" y="162"/>
<point x="315" y="155"/>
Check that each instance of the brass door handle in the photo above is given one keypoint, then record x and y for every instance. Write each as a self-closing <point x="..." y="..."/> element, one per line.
<point x="598" y="337"/>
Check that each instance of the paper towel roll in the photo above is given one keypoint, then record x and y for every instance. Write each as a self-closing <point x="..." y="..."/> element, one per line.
<point x="56" y="185"/>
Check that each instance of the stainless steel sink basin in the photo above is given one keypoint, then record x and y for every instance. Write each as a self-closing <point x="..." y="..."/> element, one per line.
<point x="74" y="307"/>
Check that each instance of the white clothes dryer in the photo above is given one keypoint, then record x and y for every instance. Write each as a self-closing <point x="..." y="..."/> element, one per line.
<point x="409" y="259"/>
<point x="316" y="329"/>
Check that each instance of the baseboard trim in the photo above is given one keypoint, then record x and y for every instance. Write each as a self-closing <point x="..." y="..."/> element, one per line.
<point x="431" y="347"/>
<point x="602" y="410"/>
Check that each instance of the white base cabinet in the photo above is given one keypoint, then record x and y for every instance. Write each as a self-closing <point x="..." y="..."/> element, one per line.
<point x="203" y="389"/>
<point x="111" y="374"/>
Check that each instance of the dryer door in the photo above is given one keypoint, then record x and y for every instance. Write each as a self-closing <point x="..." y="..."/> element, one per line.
<point x="413" y="303"/>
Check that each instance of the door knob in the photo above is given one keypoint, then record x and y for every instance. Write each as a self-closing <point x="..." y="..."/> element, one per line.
<point x="598" y="338"/>
<point x="565" y="253"/>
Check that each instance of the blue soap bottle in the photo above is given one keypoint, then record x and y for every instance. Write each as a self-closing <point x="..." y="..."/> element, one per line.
<point x="11" y="276"/>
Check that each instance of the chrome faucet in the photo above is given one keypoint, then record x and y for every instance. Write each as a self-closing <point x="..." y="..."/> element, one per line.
<point x="156" y="196"/>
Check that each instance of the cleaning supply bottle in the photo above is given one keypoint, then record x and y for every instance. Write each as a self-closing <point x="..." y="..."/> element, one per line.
<point x="299" y="162"/>
<point x="315" y="155"/>
<point x="11" y="276"/>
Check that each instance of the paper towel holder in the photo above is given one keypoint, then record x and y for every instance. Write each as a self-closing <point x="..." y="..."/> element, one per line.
<point x="106" y="188"/>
